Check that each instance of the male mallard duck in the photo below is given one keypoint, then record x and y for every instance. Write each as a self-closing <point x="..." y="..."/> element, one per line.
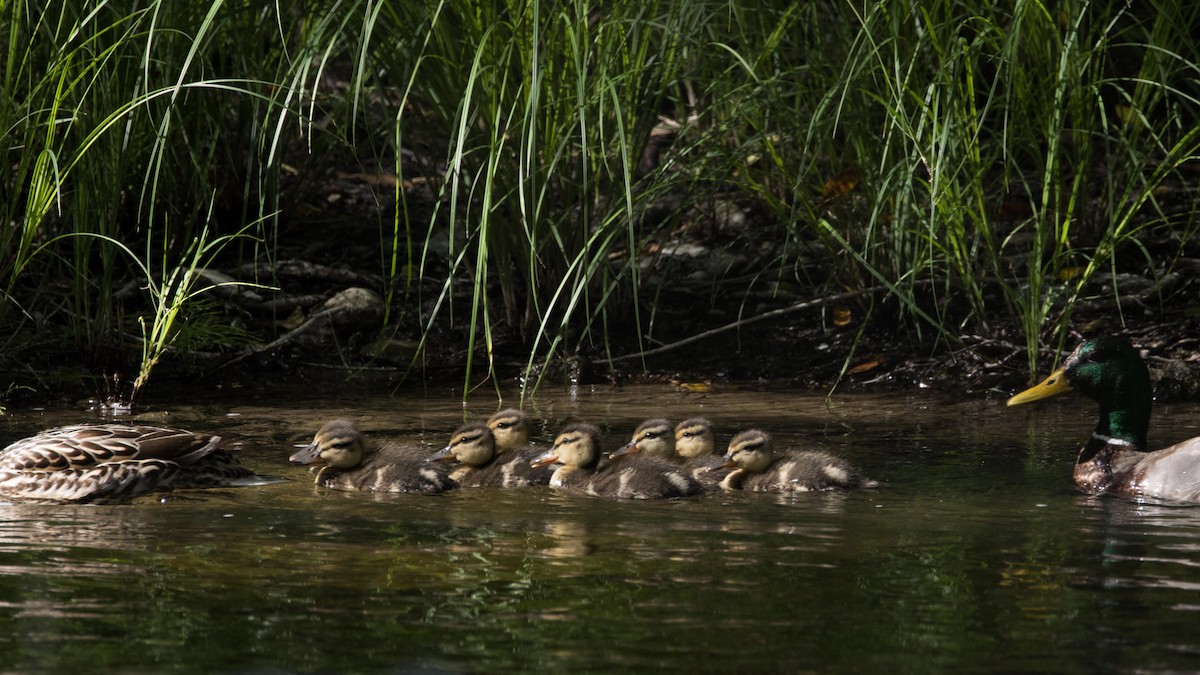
<point x="1109" y="371"/>
<point x="112" y="463"/>
<point x="350" y="462"/>
<point x="751" y="455"/>
<point x="482" y="465"/>
<point x="577" y="448"/>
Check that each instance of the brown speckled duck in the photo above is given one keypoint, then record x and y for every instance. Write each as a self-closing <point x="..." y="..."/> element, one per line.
<point x="348" y="461"/>
<point x="112" y="463"/>
<point x="1115" y="459"/>
<point x="577" y="449"/>
<point x="475" y="447"/>
<point x="756" y="468"/>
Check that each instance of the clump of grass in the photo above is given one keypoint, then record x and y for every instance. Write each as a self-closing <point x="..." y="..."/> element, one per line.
<point x="887" y="136"/>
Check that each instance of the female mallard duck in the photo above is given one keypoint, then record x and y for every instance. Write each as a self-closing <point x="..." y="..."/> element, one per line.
<point x="577" y="449"/>
<point x="755" y="468"/>
<point x="1108" y="371"/>
<point x="689" y="444"/>
<point x="349" y="462"/>
<point x="483" y="465"/>
<point x="112" y="463"/>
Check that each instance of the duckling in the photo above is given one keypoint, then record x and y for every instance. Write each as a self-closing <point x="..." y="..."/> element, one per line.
<point x="576" y="448"/>
<point x="510" y="428"/>
<point x="696" y="445"/>
<point x="652" y="438"/>
<point x="113" y="463"/>
<point x="349" y="462"/>
<point x="1115" y="459"/>
<point x="482" y="465"/>
<point x="751" y="455"/>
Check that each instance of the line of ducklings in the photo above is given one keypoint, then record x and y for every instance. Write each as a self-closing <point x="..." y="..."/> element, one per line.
<point x="659" y="462"/>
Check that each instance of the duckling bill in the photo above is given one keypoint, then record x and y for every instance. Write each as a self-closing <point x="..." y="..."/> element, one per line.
<point x="1115" y="459"/>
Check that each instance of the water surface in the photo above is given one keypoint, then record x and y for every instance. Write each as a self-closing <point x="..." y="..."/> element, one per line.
<point x="976" y="554"/>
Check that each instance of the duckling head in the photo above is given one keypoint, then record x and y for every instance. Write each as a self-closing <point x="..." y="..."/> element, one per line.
<point x="338" y="444"/>
<point x="510" y="428"/>
<point x="471" y="444"/>
<point x="751" y="450"/>
<point x="654" y="438"/>
<point x="694" y="438"/>
<point x="576" y="446"/>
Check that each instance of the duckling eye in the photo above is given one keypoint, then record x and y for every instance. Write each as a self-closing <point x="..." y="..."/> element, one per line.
<point x="504" y="425"/>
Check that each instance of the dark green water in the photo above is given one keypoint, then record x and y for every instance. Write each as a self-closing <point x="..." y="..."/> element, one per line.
<point x="977" y="555"/>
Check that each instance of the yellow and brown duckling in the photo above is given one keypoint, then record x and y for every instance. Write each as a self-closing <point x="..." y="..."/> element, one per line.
<point x="577" y="449"/>
<point x="112" y="463"/>
<point x="482" y="464"/>
<point x="696" y="446"/>
<point x="1115" y="459"/>
<point x="510" y="427"/>
<point x="348" y="461"/>
<point x="756" y="468"/>
<point x="652" y="438"/>
<point x="689" y="445"/>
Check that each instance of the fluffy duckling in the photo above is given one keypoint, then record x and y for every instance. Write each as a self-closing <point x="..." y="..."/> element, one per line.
<point x="689" y="445"/>
<point x="113" y="463"/>
<point x="696" y="445"/>
<point x="349" y="462"/>
<point x="510" y="428"/>
<point x="751" y="455"/>
<point x="1115" y="459"/>
<point x="577" y="449"/>
<point x="475" y="447"/>
<point x="652" y="438"/>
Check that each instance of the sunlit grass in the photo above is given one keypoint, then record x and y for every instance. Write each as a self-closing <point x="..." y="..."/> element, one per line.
<point x="888" y="136"/>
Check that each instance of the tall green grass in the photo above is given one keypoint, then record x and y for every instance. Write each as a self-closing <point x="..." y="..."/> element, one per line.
<point x="529" y="122"/>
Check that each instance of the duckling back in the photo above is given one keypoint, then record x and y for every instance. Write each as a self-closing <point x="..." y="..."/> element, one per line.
<point x="641" y="477"/>
<point x="806" y="471"/>
<point x="391" y="468"/>
<point x="509" y="470"/>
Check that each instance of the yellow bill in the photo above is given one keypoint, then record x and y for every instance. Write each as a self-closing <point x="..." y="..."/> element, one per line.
<point x="1051" y="386"/>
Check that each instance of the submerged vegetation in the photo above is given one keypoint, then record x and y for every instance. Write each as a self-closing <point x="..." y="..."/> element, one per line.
<point x="956" y="167"/>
